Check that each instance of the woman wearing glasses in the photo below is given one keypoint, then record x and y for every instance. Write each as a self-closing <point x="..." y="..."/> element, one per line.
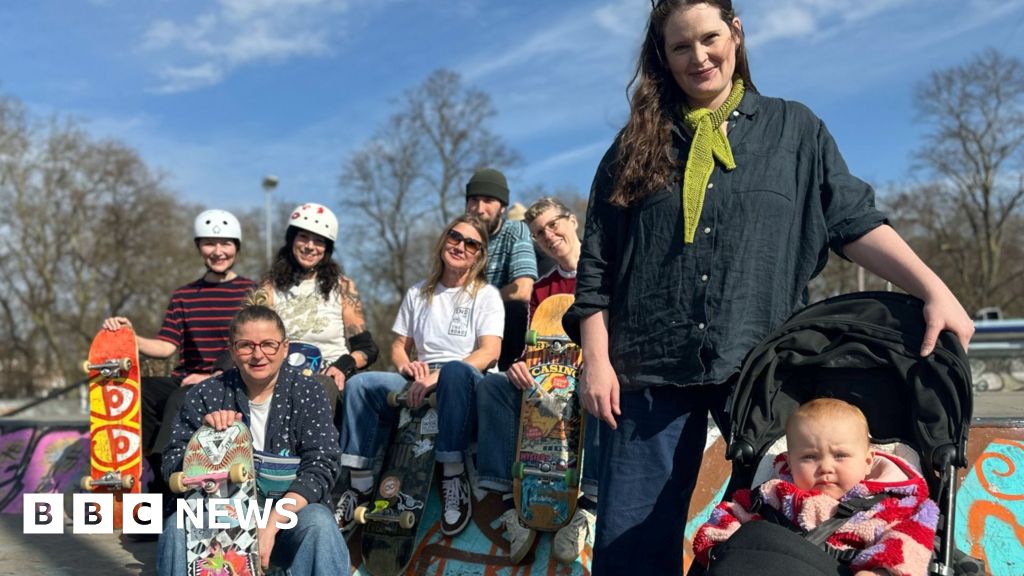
<point x="287" y="414"/>
<point x="708" y="217"/>
<point x="319" y="305"/>
<point x="453" y="321"/>
<point x="553" y="228"/>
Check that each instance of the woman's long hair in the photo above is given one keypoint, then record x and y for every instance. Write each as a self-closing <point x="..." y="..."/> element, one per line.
<point x="285" y="272"/>
<point x="477" y="273"/>
<point x="645" y="161"/>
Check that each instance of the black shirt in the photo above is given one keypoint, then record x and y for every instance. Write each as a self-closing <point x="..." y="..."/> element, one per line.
<point x="689" y="313"/>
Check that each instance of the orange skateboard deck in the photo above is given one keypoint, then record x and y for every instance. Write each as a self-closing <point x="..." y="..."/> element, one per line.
<point x="115" y="420"/>
<point x="219" y="464"/>
<point x="549" y="457"/>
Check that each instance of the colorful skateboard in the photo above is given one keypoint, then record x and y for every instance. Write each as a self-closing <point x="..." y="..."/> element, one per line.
<point x="549" y="457"/>
<point x="115" y="421"/>
<point x="392" y="519"/>
<point x="219" y="465"/>
<point x="306" y="357"/>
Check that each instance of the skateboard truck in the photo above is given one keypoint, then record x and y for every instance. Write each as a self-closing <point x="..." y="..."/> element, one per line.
<point x="558" y="344"/>
<point x="520" y="471"/>
<point x="362" y="515"/>
<point x="112" y="479"/>
<point x="209" y="483"/>
<point x="396" y="399"/>
<point x="110" y="368"/>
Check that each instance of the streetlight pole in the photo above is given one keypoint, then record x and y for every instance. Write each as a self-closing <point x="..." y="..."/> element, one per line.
<point x="269" y="183"/>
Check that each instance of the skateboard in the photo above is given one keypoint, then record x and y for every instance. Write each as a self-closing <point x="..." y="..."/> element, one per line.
<point x="549" y="453"/>
<point x="305" y="357"/>
<point x="115" y="420"/>
<point x="392" y="519"/>
<point x="219" y="465"/>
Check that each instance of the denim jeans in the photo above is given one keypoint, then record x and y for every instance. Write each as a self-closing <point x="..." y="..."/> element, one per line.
<point x="498" y="402"/>
<point x="366" y="404"/>
<point x="313" y="547"/>
<point x="648" y="470"/>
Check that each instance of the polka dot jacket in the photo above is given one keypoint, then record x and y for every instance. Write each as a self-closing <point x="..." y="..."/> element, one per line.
<point x="299" y="424"/>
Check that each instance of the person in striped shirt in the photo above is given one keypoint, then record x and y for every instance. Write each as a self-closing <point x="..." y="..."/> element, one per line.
<point x="195" y="326"/>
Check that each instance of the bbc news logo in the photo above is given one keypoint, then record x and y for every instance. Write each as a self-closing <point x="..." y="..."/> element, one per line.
<point x="92" y="513"/>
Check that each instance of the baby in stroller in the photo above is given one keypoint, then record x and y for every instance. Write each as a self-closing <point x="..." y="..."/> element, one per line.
<point x="863" y="349"/>
<point x="829" y="462"/>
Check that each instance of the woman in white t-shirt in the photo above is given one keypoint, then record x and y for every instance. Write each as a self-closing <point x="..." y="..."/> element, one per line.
<point x="453" y="321"/>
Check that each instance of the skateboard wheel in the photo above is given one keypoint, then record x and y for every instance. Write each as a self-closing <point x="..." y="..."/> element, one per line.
<point x="359" y="514"/>
<point x="517" y="470"/>
<point x="175" y="483"/>
<point x="86" y="483"/>
<point x="124" y="364"/>
<point x="432" y="401"/>
<point x="393" y="399"/>
<point x="531" y="337"/>
<point x="238" y="473"/>
<point x="128" y="482"/>
<point x="85" y="366"/>
<point x="406" y="519"/>
<point x="570" y="476"/>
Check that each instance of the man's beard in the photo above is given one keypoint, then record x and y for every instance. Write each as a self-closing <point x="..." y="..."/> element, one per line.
<point x="493" y="225"/>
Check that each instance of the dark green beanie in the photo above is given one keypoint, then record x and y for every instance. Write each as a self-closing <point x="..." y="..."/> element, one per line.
<point x="490" y="183"/>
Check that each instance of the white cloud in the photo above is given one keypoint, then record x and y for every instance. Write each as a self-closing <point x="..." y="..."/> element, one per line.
<point x="236" y="33"/>
<point x="182" y="79"/>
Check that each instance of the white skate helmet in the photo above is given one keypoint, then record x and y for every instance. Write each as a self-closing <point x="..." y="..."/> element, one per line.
<point x="315" y="218"/>
<point x="217" y="224"/>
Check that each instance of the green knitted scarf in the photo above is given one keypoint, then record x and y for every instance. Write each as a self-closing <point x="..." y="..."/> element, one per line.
<point x="708" y="144"/>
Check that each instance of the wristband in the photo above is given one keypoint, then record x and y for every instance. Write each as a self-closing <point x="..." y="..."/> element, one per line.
<point x="347" y="365"/>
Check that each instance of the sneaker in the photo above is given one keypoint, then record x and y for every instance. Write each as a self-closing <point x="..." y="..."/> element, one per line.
<point x="458" y="504"/>
<point x="345" y="509"/>
<point x="571" y="538"/>
<point x="520" y="538"/>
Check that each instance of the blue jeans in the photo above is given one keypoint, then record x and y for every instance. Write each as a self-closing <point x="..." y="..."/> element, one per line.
<point x="498" y="402"/>
<point x="366" y="404"/>
<point x="648" y="470"/>
<point x="313" y="547"/>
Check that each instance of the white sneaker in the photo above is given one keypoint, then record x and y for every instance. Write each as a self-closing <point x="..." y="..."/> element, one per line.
<point x="571" y="538"/>
<point x="520" y="538"/>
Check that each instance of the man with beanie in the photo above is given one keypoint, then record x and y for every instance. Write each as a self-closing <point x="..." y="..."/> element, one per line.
<point x="511" y="264"/>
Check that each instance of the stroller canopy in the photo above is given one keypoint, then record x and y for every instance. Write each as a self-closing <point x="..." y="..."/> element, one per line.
<point x="863" y="348"/>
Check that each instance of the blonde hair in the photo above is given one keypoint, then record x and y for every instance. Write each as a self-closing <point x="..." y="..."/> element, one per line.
<point x="829" y="410"/>
<point x="477" y="273"/>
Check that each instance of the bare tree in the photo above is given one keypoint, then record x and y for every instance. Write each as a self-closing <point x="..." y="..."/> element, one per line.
<point x="83" y="238"/>
<point x="973" y="155"/>
<point x="403" y="185"/>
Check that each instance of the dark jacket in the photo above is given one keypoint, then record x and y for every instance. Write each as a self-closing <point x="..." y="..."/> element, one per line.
<point x="688" y="313"/>
<point x="299" y="424"/>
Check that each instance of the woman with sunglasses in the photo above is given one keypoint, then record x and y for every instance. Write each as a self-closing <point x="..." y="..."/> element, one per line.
<point x="453" y="321"/>
<point x="708" y="217"/>
<point x="288" y="417"/>
<point x="319" y="304"/>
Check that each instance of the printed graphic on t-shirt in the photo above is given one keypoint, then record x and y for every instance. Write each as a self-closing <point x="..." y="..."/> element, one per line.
<point x="460" y="322"/>
<point x="302" y="316"/>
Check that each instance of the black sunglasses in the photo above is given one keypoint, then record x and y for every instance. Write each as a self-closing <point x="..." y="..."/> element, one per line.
<point x="454" y="238"/>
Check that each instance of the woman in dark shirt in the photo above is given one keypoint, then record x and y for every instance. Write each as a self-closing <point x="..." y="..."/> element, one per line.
<point x="709" y="215"/>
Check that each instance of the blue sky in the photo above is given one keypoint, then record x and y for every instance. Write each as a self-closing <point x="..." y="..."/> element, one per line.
<point x="217" y="93"/>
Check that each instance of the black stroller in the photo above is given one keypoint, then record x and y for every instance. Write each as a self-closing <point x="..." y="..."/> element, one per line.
<point x="862" y="348"/>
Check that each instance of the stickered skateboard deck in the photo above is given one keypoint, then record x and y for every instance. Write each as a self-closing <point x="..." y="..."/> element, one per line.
<point x="220" y="465"/>
<point x="392" y="519"/>
<point x="304" y="357"/>
<point x="115" y="419"/>
<point x="549" y="456"/>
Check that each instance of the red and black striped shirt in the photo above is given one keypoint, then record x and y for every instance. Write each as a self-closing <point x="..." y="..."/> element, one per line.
<point x="197" y="321"/>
